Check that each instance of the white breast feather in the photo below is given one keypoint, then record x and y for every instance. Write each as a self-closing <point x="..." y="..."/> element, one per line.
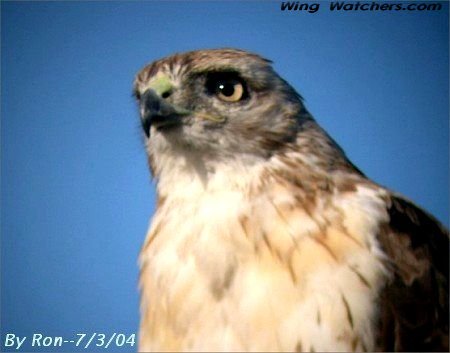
<point x="200" y="244"/>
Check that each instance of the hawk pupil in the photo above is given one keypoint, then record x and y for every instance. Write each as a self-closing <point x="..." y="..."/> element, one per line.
<point x="227" y="89"/>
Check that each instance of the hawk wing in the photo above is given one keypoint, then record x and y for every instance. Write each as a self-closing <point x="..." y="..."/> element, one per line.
<point x="415" y="309"/>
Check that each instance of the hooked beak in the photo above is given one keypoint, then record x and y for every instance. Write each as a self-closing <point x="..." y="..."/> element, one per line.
<point x="158" y="112"/>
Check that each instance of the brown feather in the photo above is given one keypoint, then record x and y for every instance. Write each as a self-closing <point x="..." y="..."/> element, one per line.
<point x="414" y="305"/>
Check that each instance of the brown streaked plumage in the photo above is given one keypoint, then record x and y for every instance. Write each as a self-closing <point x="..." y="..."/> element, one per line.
<point x="266" y="237"/>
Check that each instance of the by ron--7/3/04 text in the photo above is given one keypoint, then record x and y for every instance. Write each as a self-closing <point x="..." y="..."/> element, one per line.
<point x="80" y="340"/>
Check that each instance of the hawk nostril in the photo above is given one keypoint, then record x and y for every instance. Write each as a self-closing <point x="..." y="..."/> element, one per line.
<point x="166" y="94"/>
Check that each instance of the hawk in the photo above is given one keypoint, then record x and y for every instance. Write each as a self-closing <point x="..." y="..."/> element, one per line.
<point x="266" y="237"/>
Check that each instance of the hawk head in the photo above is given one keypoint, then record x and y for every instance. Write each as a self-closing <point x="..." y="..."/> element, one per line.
<point x="220" y="103"/>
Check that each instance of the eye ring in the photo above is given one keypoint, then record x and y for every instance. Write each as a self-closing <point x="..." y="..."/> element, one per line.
<point x="229" y="90"/>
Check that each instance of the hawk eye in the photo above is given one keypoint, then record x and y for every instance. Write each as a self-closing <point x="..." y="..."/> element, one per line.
<point x="229" y="91"/>
<point x="226" y="87"/>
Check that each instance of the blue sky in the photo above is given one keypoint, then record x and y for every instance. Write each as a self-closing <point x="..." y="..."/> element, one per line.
<point x="76" y="195"/>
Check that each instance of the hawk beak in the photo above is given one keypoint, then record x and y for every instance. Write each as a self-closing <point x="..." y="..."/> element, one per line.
<point x="156" y="111"/>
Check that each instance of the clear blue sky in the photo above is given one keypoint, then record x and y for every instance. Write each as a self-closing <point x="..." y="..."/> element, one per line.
<point x="76" y="196"/>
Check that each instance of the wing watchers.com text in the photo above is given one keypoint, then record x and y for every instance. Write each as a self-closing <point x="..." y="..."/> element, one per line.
<point x="345" y="6"/>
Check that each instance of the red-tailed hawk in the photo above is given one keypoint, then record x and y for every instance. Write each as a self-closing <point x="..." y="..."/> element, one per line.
<point x="266" y="237"/>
